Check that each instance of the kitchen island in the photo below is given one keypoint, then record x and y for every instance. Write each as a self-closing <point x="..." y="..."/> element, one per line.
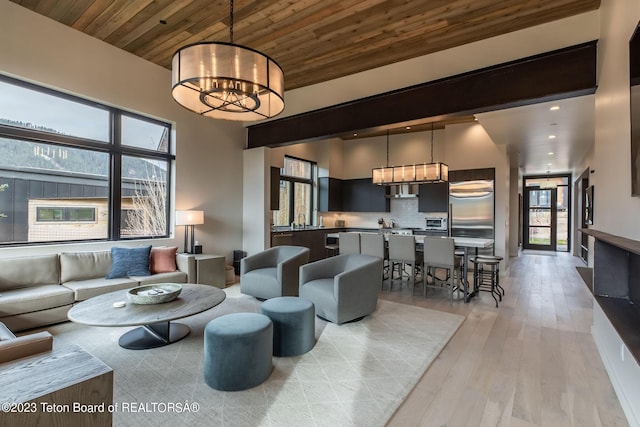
<point x="316" y="238"/>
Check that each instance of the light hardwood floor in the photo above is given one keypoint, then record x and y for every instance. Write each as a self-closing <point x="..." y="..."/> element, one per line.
<point x="530" y="362"/>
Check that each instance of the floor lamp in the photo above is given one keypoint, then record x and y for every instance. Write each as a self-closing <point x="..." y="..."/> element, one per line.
<point x="189" y="219"/>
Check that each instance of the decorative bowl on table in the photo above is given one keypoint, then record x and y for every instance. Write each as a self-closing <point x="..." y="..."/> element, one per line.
<point x="154" y="294"/>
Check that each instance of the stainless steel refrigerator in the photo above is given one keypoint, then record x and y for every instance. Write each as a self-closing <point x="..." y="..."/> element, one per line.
<point x="472" y="209"/>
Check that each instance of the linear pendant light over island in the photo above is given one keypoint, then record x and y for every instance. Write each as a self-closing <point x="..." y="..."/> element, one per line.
<point x="422" y="173"/>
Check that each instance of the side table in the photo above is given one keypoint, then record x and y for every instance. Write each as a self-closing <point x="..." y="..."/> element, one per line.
<point x="211" y="270"/>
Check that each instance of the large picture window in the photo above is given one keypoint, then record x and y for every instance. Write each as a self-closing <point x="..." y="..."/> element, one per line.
<point x="74" y="170"/>
<point x="296" y="192"/>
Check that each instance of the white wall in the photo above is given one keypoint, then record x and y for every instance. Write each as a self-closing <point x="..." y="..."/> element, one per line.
<point x="361" y="155"/>
<point x="208" y="171"/>
<point x="256" y="213"/>
<point x="616" y="212"/>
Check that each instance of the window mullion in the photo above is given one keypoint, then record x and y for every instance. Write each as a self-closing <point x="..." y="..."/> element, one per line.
<point x="115" y="179"/>
<point x="292" y="201"/>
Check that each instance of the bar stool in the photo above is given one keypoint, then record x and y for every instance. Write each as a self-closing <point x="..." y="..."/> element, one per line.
<point x="485" y="274"/>
<point x="402" y="250"/>
<point x="497" y="267"/>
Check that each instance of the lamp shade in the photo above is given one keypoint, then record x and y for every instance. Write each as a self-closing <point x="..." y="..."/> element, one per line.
<point x="189" y="217"/>
<point x="227" y="81"/>
<point x="383" y="176"/>
<point x="404" y="174"/>
<point x="432" y="172"/>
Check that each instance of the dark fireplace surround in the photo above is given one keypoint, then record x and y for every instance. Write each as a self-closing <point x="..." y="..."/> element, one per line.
<point x="616" y="284"/>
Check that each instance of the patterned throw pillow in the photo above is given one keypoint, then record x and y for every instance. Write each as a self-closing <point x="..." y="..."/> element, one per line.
<point x="129" y="262"/>
<point x="163" y="260"/>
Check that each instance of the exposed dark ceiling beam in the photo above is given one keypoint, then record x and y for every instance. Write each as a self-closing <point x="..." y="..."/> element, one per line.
<point x="559" y="74"/>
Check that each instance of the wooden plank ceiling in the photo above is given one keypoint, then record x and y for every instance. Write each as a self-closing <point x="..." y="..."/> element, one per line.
<point x="313" y="40"/>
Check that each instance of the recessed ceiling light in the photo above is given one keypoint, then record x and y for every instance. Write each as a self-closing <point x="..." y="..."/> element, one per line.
<point x="408" y="127"/>
<point x="555" y="108"/>
<point x="552" y="137"/>
<point x="551" y="153"/>
<point x="549" y="164"/>
<point x="355" y="134"/>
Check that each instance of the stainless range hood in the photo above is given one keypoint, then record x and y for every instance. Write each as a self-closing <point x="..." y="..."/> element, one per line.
<point x="403" y="191"/>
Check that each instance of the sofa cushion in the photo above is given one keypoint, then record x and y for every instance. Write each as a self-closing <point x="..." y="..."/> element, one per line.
<point x="25" y="300"/>
<point x="173" y="277"/>
<point x="24" y="272"/>
<point x="85" y="289"/>
<point x="163" y="260"/>
<point x="129" y="262"/>
<point x="84" y="265"/>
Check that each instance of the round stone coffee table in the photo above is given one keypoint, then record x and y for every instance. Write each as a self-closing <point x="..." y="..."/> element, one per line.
<point x="157" y="330"/>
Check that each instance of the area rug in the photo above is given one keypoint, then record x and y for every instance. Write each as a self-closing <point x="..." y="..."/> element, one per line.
<point x="356" y="375"/>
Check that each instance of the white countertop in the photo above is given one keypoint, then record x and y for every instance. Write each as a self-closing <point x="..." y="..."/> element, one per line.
<point x="468" y="242"/>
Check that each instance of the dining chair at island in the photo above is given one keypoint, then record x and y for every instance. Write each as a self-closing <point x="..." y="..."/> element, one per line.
<point x="349" y="243"/>
<point x="465" y="244"/>
<point x="439" y="254"/>
<point x="373" y="244"/>
<point x="402" y="252"/>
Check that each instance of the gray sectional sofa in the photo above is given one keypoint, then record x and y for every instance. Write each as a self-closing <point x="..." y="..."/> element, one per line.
<point x="39" y="290"/>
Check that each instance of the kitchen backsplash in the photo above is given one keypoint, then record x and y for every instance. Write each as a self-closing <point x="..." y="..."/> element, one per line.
<point x="404" y="212"/>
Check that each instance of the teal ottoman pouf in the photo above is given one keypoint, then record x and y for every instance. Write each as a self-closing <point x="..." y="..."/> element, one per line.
<point x="237" y="351"/>
<point x="293" y="325"/>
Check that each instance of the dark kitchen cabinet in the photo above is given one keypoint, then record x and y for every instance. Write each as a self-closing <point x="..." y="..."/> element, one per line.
<point x="433" y="197"/>
<point x="330" y="194"/>
<point x="312" y="239"/>
<point x="362" y="195"/>
<point x="274" y="204"/>
<point x="282" y="238"/>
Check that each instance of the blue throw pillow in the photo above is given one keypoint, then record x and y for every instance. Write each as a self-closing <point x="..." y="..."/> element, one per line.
<point x="127" y="262"/>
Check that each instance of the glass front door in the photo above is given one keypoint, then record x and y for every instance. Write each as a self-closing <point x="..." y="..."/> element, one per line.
<point x="540" y="221"/>
<point x="546" y="213"/>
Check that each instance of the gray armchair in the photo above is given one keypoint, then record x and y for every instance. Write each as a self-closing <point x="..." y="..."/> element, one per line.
<point x="343" y="287"/>
<point x="272" y="272"/>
